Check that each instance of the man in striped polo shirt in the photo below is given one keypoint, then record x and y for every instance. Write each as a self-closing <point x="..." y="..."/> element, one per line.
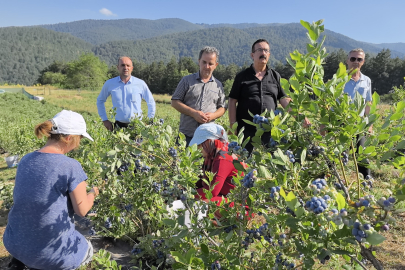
<point x="199" y="97"/>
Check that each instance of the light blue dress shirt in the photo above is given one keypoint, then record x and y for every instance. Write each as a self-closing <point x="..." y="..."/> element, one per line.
<point x="363" y="86"/>
<point x="126" y="99"/>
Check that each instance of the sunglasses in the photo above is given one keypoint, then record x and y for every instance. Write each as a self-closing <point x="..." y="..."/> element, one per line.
<point x="353" y="59"/>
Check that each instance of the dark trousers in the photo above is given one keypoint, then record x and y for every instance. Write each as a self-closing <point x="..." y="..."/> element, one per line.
<point x="251" y="133"/>
<point x="360" y="164"/>
<point x="118" y="125"/>
<point x="188" y="140"/>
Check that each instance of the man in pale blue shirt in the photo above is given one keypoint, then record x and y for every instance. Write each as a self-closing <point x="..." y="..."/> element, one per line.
<point x="362" y="84"/>
<point x="126" y="93"/>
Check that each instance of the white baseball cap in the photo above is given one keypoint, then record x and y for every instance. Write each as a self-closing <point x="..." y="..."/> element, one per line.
<point x="69" y="123"/>
<point x="208" y="131"/>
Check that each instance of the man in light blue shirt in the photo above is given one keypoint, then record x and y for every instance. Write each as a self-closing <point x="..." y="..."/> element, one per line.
<point x="126" y="93"/>
<point x="362" y="84"/>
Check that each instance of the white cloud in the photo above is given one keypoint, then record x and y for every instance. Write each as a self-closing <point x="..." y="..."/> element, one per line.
<point x="107" y="12"/>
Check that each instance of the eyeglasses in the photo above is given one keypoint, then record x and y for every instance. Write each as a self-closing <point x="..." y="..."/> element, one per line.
<point x="262" y="50"/>
<point x="353" y="59"/>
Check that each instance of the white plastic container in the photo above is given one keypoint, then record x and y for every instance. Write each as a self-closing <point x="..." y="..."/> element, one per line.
<point x="12" y="161"/>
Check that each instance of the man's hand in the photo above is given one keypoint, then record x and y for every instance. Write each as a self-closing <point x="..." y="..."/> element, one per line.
<point x="200" y="117"/>
<point x="306" y="123"/>
<point x="108" y="125"/>
<point x="210" y="116"/>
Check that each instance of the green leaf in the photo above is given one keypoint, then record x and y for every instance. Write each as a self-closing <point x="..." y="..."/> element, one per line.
<point x="111" y="153"/>
<point x="369" y="150"/>
<point x="169" y="222"/>
<point x="395" y="138"/>
<point x="396" y="116"/>
<point x="401" y="145"/>
<point x="400" y="106"/>
<point x="291" y="200"/>
<point x="303" y="156"/>
<point x="375" y="238"/>
<point x="238" y="166"/>
<point x="341" y="201"/>
<point x="263" y="172"/>
<point x="282" y="193"/>
<point x="284" y="84"/>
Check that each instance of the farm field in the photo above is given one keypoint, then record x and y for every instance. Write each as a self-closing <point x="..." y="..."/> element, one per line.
<point x="391" y="252"/>
<point x="298" y="203"/>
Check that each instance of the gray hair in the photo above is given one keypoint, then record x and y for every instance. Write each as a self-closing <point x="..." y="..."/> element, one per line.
<point x="357" y="50"/>
<point x="208" y="49"/>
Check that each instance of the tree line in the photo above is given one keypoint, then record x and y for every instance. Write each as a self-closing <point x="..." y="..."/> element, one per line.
<point x="89" y="72"/>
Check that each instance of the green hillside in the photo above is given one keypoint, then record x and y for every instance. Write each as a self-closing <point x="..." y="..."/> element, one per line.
<point x="25" y="51"/>
<point x="234" y="44"/>
<point x="102" y="31"/>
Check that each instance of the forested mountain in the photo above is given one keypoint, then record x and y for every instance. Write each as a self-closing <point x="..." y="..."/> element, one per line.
<point x="102" y="31"/>
<point x="399" y="47"/>
<point x="25" y="51"/>
<point x="234" y="44"/>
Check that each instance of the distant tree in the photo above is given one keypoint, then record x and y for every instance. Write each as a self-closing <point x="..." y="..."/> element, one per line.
<point x="228" y="86"/>
<point x="285" y="70"/>
<point x="332" y="63"/>
<point x="112" y="72"/>
<point x="56" y="67"/>
<point x="88" y="72"/>
<point x="187" y="63"/>
<point x="53" y="78"/>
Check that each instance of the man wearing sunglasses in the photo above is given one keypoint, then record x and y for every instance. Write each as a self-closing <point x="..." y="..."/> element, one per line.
<point x="362" y="84"/>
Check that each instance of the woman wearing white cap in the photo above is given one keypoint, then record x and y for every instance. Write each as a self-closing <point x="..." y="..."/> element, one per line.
<point x="213" y="141"/>
<point x="49" y="188"/>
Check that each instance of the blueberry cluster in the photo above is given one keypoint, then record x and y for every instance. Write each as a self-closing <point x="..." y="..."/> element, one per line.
<point x="327" y="258"/>
<point x="387" y="204"/>
<point x="365" y="201"/>
<point x="128" y="207"/>
<point x="385" y="227"/>
<point x="138" y="164"/>
<point x="289" y="211"/>
<point x="160" y="254"/>
<point x="257" y="234"/>
<point x="161" y="121"/>
<point x="157" y="187"/>
<point x="216" y="266"/>
<point x="274" y="192"/>
<point x="368" y="183"/>
<point x="166" y="183"/>
<point x="136" y="251"/>
<point x="338" y="217"/>
<point x="314" y="151"/>
<point x="158" y="243"/>
<point x="123" y="167"/>
<point x="290" y="155"/>
<point x="108" y="223"/>
<point x="318" y="184"/>
<point x="317" y="204"/>
<point x="338" y="185"/>
<point x="172" y="152"/>
<point x="249" y="180"/>
<point x="235" y="148"/>
<point x="145" y="169"/>
<point x="122" y="220"/>
<point x="277" y="112"/>
<point x="230" y="228"/>
<point x="360" y="232"/>
<point x="345" y="158"/>
<point x="282" y="260"/>
<point x="257" y="119"/>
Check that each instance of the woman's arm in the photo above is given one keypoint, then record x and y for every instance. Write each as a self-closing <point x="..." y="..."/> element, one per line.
<point x="222" y="168"/>
<point x="81" y="200"/>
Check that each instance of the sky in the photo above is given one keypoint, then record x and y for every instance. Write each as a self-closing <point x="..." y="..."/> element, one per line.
<point x="369" y="21"/>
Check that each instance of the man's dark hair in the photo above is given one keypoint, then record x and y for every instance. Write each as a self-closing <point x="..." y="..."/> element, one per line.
<point x="258" y="41"/>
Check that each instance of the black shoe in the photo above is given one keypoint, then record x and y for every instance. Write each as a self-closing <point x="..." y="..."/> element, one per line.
<point x="16" y="265"/>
